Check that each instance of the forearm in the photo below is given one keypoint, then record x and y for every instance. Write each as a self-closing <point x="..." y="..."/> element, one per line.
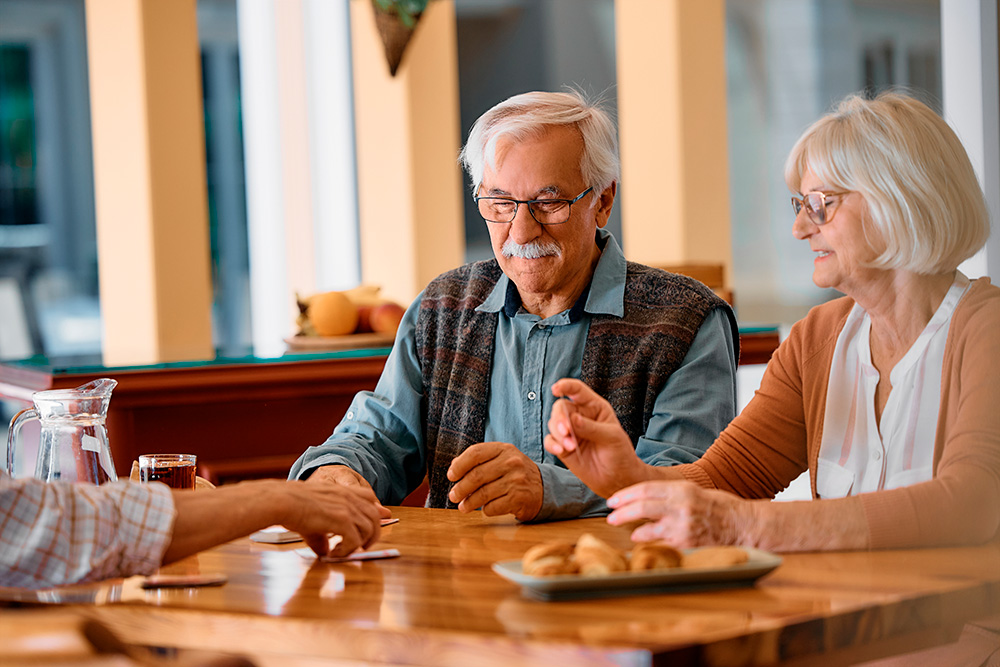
<point x="381" y="434"/>
<point x="566" y="497"/>
<point x="808" y="525"/>
<point x="390" y="468"/>
<point x="207" y="518"/>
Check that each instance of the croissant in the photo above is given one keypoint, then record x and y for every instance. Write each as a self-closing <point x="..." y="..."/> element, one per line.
<point x="725" y="556"/>
<point x="549" y="558"/>
<point x="597" y="558"/>
<point x="654" y="556"/>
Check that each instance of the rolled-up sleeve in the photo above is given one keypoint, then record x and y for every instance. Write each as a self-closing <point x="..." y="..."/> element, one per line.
<point x="381" y="437"/>
<point x="61" y="533"/>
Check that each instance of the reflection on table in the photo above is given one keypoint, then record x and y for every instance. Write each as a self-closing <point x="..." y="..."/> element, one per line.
<point x="440" y="604"/>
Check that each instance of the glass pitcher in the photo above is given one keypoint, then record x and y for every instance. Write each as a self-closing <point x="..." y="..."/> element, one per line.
<point x="73" y="445"/>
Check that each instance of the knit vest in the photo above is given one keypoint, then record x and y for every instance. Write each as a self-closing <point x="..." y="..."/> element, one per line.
<point x="626" y="360"/>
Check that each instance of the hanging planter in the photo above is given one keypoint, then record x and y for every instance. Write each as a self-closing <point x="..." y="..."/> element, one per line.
<point x="396" y="21"/>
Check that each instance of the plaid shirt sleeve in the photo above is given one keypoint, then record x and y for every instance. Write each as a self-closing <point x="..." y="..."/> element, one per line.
<point x="61" y="533"/>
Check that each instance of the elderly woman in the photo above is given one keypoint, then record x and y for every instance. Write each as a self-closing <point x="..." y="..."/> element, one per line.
<point x="889" y="397"/>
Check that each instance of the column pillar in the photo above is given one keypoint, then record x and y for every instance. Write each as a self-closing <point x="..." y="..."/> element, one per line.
<point x="410" y="193"/>
<point x="971" y="90"/>
<point x="149" y="180"/>
<point x="672" y="130"/>
<point x="301" y="210"/>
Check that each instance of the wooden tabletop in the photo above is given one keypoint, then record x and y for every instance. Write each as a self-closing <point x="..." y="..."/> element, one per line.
<point x="440" y="604"/>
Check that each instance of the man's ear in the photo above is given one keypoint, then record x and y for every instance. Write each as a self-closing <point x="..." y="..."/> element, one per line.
<point x="605" y="202"/>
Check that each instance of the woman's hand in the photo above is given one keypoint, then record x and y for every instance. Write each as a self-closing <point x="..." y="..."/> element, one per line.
<point x="683" y="514"/>
<point x="585" y="434"/>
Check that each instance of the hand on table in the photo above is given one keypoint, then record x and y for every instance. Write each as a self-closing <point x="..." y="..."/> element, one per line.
<point x="344" y="476"/>
<point x="317" y="510"/>
<point x="682" y="514"/>
<point x="585" y="434"/>
<point x="498" y="477"/>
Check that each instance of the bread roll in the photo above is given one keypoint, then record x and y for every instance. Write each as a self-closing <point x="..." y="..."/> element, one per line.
<point x="596" y="557"/>
<point x="715" y="557"/>
<point x="654" y="556"/>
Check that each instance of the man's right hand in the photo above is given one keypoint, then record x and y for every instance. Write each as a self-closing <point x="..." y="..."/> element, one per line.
<point x="344" y="476"/>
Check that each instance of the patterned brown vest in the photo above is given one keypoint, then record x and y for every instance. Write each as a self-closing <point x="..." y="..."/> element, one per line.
<point x="626" y="360"/>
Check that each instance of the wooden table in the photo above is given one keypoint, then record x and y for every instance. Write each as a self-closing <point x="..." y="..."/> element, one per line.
<point x="440" y="604"/>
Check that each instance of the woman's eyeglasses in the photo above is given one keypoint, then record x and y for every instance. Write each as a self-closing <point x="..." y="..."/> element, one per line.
<point x="815" y="205"/>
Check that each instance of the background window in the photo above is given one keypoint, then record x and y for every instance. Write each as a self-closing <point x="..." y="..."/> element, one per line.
<point x="506" y="48"/>
<point x="788" y="62"/>
<point x="48" y="243"/>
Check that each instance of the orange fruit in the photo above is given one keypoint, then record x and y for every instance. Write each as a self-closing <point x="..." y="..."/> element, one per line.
<point x="333" y="314"/>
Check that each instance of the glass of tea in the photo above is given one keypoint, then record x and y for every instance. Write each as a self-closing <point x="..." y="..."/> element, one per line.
<point x="175" y="470"/>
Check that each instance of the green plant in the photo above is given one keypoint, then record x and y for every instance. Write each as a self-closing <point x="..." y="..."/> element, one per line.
<point x="406" y="10"/>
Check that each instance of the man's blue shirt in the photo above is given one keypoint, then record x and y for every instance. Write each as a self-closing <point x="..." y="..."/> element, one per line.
<point x="382" y="435"/>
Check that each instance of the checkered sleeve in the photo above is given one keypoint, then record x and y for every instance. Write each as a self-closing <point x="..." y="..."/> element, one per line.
<point x="61" y="533"/>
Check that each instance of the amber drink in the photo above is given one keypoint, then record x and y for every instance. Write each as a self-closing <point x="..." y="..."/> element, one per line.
<point x="175" y="470"/>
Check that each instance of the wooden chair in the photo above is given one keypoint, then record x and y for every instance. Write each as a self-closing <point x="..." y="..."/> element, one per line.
<point x="756" y="343"/>
<point x="713" y="275"/>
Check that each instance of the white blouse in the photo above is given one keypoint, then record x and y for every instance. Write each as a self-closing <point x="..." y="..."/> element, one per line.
<point x="859" y="455"/>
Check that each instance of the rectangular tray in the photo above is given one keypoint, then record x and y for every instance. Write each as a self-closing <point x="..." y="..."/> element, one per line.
<point x="648" y="582"/>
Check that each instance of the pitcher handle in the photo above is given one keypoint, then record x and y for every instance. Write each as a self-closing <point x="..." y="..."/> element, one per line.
<point x="15" y="425"/>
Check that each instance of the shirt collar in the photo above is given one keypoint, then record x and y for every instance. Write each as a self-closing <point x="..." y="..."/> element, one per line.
<point x="605" y="294"/>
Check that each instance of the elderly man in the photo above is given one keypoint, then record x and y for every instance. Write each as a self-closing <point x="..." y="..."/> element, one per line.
<point x="465" y="397"/>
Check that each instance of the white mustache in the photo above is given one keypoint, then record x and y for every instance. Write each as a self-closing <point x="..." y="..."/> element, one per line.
<point x="532" y="250"/>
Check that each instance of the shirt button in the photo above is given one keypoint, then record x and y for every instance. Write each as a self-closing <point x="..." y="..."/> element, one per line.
<point x="876" y="455"/>
<point x="531" y="395"/>
<point x="350" y="415"/>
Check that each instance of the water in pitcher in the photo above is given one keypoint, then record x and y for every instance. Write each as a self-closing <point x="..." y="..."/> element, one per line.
<point x="73" y="439"/>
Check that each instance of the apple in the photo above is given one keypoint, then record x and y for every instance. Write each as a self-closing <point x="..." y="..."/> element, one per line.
<point x="385" y="317"/>
<point x="364" y="319"/>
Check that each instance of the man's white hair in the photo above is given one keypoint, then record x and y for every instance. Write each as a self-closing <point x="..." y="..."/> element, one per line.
<point x="530" y="114"/>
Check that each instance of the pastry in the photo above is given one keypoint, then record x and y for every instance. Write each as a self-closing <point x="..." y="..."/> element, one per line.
<point x="715" y="557"/>
<point x="654" y="556"/>
<point x="548" y="559"/>
<point x="596" y="557"/>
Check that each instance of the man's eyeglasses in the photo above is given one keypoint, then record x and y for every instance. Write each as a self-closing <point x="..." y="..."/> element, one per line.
<point x="502" y="210"/>
<point x="815" y="205"/>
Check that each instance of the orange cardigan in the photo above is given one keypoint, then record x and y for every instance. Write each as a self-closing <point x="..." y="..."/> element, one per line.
<point x="777" y="436"/>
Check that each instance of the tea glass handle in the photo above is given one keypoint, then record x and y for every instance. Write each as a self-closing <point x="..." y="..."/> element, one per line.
<point x="15" y="425"/>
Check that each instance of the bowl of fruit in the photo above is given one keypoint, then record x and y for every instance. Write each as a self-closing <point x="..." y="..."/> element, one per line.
<point x="358" y="317"/>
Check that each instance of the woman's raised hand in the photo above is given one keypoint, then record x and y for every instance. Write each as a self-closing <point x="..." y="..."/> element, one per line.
<point x="585" y="434"/>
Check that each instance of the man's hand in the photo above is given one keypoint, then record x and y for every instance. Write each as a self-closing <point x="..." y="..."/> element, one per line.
<point x="344" y="476"/>
<point x="498" y="477"/>
<point x="585" y="434"/>
<point x="317" y="510"/>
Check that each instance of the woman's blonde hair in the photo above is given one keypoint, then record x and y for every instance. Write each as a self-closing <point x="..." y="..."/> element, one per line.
<point x="926" y="210"/>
